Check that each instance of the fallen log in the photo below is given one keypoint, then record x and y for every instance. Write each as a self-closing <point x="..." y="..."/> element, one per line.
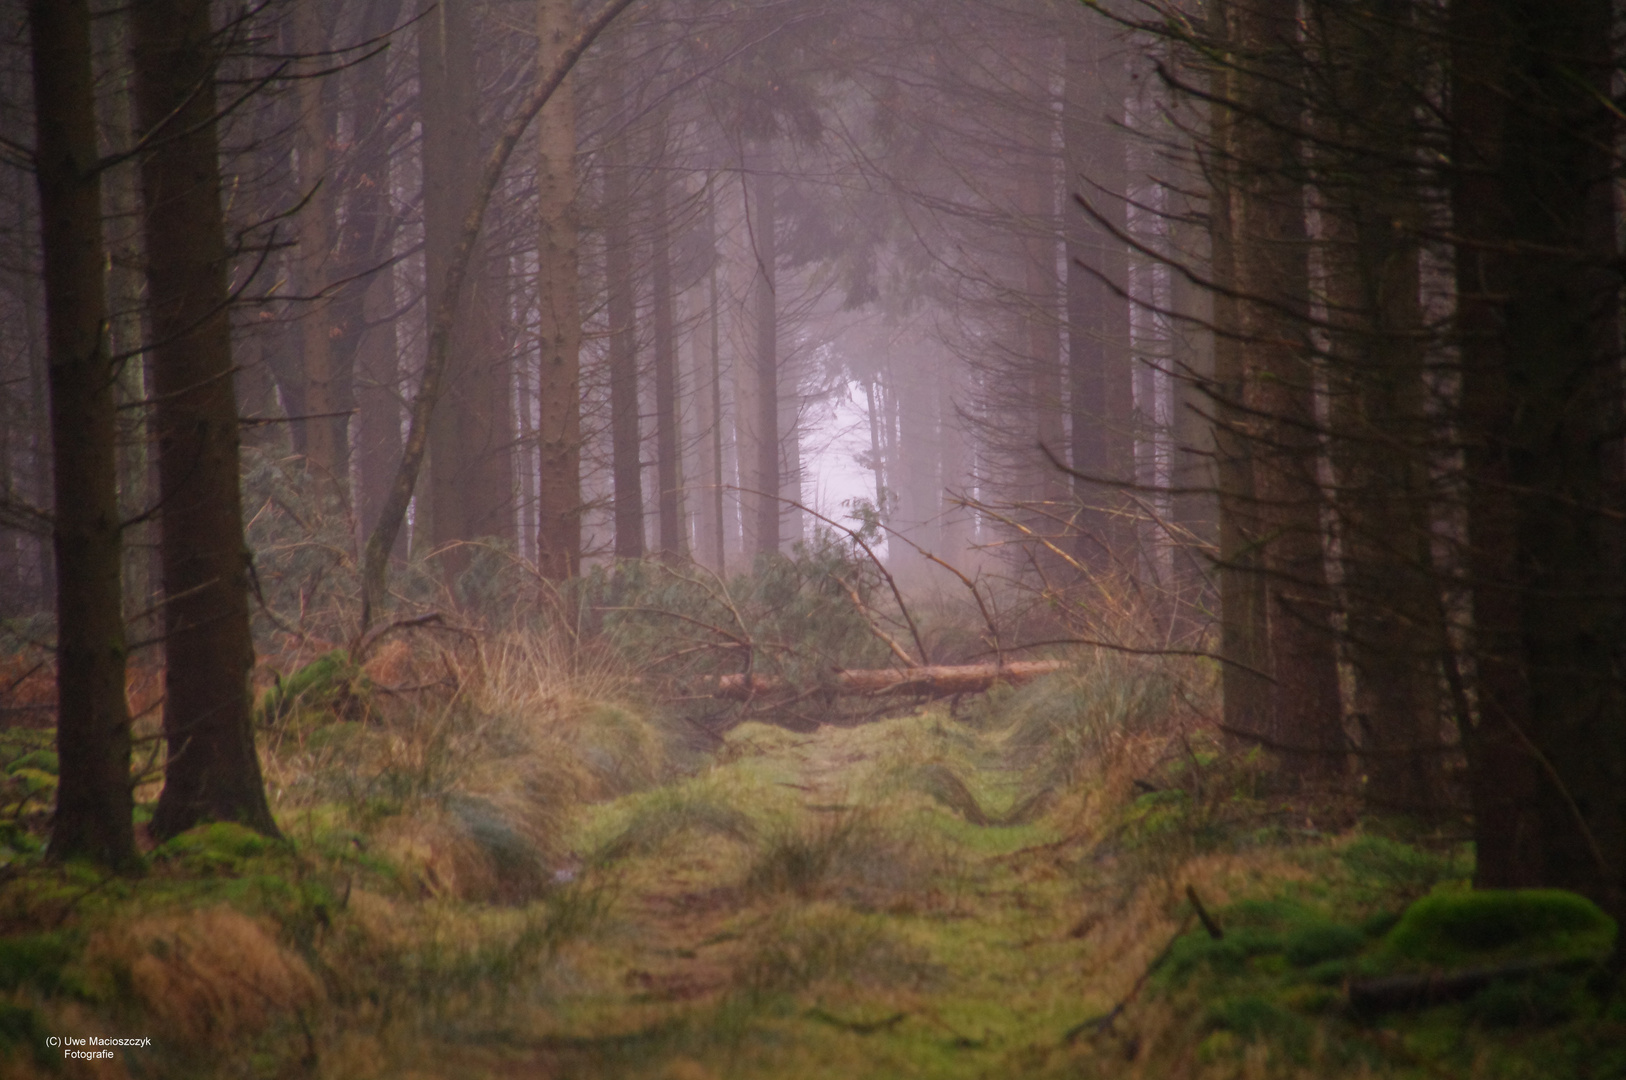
<point x="938" y="680"/>
<point x="1420" y="990"/>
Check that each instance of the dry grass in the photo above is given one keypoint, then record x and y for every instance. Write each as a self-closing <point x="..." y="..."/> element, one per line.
<point x="205" y="977"/>
<point x="471" y="785"/>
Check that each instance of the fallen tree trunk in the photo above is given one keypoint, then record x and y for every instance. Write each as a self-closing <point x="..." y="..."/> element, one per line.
<point x="1419" y="990"/>
<point x="934" y="681"/>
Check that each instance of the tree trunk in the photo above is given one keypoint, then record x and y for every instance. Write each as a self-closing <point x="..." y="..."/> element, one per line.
<point x="930" y="681"/>
<point x="363" y="363"/>
<point x="1100" y="383"/>
<point x="719" y="434"/>
<point x="437" y="353"/>
<point x="1538" y="298"/>
<point x="327" y="448"/>
<point x="708" y="452"/>
<point x="471" y="480"/>
<point x="137" y="475"/>
<point x="559" y="438"/>
<point x="1244" y="643"/>
<point x="93" y="807"/>
<point x="766" y="480"/>
<point x="1270" y="252"/>
<point x="668" y="474"/>
<point x="1380" y="424"/>
<point x="626" y="441"/>
<point x="212" y="771"/>
<point x="1191" y="472"/>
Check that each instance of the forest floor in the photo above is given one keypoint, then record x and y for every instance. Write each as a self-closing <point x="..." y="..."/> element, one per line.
<point x="890" y="901"/>
<point x="920" y="896"/>
<point x="818" y="907"/>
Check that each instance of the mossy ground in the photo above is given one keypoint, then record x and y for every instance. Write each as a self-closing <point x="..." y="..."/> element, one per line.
<point x="875" y="901"/>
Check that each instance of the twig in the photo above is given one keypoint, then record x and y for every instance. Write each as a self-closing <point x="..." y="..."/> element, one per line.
<point x="1104" y="1021"/>
<point x="914" y="631"/>
<point x="1213" y="928"/>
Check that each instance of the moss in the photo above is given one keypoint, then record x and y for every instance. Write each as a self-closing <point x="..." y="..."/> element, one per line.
<point x="1543" y="999"/>
<point x="1228" y="955"/>
<point x="43" y="760"/>
<point x="1389" y="868"/>
<point x="1485" y="924"/>
<point x="945" y="787"/>
<point x="621" y="748"/>
<point x="34" y="960"/>
<point x="23" y="1032"/>
<point x="1316" y="942"/>
<point x="685" y="811"/>
<point x="1252" y="1017"/>
<point x="220" y="846"/>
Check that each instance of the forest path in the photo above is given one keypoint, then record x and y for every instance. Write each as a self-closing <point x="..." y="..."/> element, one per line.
<point x="820" y="905"/>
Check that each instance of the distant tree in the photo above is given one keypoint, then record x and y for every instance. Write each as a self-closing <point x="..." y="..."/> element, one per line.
<point x="93" y="722"/>
<point x="443" y="304"/>
<point x="1100" y="394"/>
<point x="673" y="542"/>
<point x="559" y="332"/>
<point x="621" y="308"/>
<point x="212" y="771"/>
<point x="470" y="470"/>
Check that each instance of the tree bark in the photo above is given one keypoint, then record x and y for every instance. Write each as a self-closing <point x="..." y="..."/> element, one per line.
<point x="626" y="437"/>
<point x="470" y="484"/>
<point x="93" y="807"/>
<point x="1270" y="253"/>
<point x="1538" y="282"/>
<point x="375" y="556"/>
<point x="767" y="354"/>
<point x="211" y="771"/>
<point x="365" y="370"/>
<point x="668" y="474"/>
<point x="1380" y="427"/>
<point x="1100" y="386"/>
<point x="1244" y="643"/>
<point x="327" y="448"/>
<point x="932" y="681"/>
<point x="559" y="438"/>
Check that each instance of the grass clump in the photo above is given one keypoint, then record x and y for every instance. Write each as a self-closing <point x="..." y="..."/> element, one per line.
<point x="845" y="856"/>
<point x="332" y="686"/>
<point x="1059" y="727"/>
<point x="688" y="810"/>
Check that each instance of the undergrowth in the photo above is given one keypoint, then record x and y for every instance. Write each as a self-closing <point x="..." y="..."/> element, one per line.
<point x="533" y="847"/>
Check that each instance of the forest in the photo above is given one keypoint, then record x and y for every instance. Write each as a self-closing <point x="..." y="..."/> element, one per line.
<point x="701" y="539"/>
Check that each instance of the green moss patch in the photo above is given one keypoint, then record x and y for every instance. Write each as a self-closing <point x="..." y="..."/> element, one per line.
<point x="1453" y="928"/>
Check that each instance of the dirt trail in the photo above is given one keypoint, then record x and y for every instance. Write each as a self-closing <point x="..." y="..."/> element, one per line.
<point x="806" y="909"/>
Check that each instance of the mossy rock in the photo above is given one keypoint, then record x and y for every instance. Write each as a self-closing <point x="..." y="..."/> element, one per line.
<point x="1453" y="928"/>
<point x="332" y="685"/>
